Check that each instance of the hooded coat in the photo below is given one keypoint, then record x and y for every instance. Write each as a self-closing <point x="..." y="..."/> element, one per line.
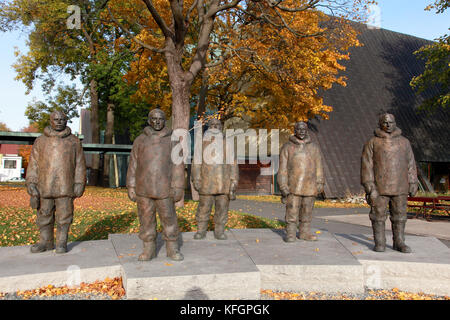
<point x="300" y="168"/>
<point x="388" y="162"/>
<point x="215" y="177"/>
<point x="56" y="164"/>
<point x="151" y="170"/>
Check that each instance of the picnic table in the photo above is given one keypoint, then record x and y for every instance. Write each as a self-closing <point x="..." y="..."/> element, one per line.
<point x="428" y="205"/>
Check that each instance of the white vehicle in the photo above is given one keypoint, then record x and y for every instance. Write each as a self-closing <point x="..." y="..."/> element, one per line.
<point x="16" y="179"/>
<point x="10" y="167"/>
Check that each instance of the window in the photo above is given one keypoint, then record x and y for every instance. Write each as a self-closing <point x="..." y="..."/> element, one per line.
<point x="10" y="164"/>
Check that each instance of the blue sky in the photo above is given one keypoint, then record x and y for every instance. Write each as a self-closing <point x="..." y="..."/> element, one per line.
<point x="405" y="16"/>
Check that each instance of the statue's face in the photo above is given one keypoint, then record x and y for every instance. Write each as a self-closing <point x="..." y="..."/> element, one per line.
<point x="215" y="124"/>
<point x="58" y="121"/>
<point x="157" y="121"/>
<point x="388" y="124"/>
<point x="301" y="130"/>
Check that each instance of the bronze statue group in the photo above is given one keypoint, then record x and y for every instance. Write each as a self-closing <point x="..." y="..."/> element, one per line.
<point x="56" y="175"/>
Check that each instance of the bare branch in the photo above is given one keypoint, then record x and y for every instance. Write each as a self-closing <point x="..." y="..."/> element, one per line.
<point x="294" y="32"/>
<point x="189" y="12"/>
<point x="214" y="9"/>
<point x="179" y="21"/>
<point x="200" y="11"/>
<point x="311" y="4"/>
<point x="159" y="21"/>
<point x="139" y="42"/>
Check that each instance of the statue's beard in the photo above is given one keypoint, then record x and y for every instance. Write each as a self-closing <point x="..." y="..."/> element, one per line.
<point x="158" y="127"/>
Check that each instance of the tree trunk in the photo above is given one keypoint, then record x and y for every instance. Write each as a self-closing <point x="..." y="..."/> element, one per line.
<point x="180" y="91"/>
<point x="95" y="131"/>
<point x="201" y="105"/>
<point x="109" y="132"/>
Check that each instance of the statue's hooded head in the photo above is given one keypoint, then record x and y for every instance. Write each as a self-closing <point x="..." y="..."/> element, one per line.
<point x="157" y="119"/>
<point x="58" y="120"/>
<point x="215" y="124"/>
<point x="301" y="130"/>
<point x="387" y="123"/>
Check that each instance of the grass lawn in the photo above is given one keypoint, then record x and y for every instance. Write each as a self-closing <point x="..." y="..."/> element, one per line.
<point x="99" y="212"/>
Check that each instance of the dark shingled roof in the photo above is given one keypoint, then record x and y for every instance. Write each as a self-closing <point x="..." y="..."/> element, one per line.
<point x="378" y="76"/>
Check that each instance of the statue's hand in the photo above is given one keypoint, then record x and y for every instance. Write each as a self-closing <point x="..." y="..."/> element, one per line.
<point x="373" y="196"/>
<point x="132" y="194"/>
<point x="369" y="187"/>
<point x="413" y="187"/>
<point x="33" y="190"/>
<point x="78" y="189"/>
<point x="177" y="194"/>
<point x="320" y="187"/>
<point x="284" y="193"/>
<point x="197" y="184"/>
<point x="232" y="193"/>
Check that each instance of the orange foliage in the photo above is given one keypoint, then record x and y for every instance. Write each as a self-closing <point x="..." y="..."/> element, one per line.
<point x="277" y="77"/>
<point x="274" y="64"/>
<point x="111" y="287"/>
<point x="25" y="152"/>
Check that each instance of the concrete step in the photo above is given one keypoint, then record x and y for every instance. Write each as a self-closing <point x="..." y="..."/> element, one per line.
<point x="211" y="269"/>
<point x="426" y="269"/>
<point x="85" y="261"/>
<point x="321" y="266"/>
<point x="236" y="268"/>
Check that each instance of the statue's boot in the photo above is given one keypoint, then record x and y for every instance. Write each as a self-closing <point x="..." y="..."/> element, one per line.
<point x="62" y="233"/>
<point x="398" y="232"/>
<point x="172" y="251"/>
<point x="148" y="252"/>
<point x="202" y="227"/>
<point x="219" y="232"/>
<point x="291" y="230"/>
<point x="379" y="237"/>
<point x="45" y="240"/>
<point x="305" y="232"/>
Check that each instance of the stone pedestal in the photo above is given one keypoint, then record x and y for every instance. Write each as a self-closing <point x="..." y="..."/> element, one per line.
<point x="321" y="266"/>
<point x="426" y="269"/>
<point x="211" y="269"/>
<point x="86" y="261"/>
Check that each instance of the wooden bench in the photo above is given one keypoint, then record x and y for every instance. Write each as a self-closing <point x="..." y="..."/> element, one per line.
<point x="443" y="204"/>
<point x="429" y="205"/>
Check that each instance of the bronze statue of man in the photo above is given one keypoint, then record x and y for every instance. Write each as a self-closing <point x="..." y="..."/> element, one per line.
<point x="300" y="178"/>
<point x="216" y="181"/>
<point x="388" y="174"/>
<point x="156" y="183"/>
<point x="56" y="175"/>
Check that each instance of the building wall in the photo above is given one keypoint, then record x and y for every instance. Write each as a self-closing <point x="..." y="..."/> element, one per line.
<point x="9" y="149"/>
<point x="252" y="182"/>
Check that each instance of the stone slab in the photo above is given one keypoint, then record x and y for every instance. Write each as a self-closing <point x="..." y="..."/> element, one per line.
<point x="426" y="269"/>
<point x="211" y="269"/>
<point x="85" y="261"/>
<point x="420" y="227"/>
<point x="323" y="265"/>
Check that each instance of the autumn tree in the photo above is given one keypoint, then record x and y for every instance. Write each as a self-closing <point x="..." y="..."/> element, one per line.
<point x="66" y="99"/>
<point x="85" y="51"/>
<point x="275" y="77"/>
<point x="179" y="35"/>
<point x="4" y="127"/>
<point x="25" y="150"/>
<point x="436" y="76"/>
